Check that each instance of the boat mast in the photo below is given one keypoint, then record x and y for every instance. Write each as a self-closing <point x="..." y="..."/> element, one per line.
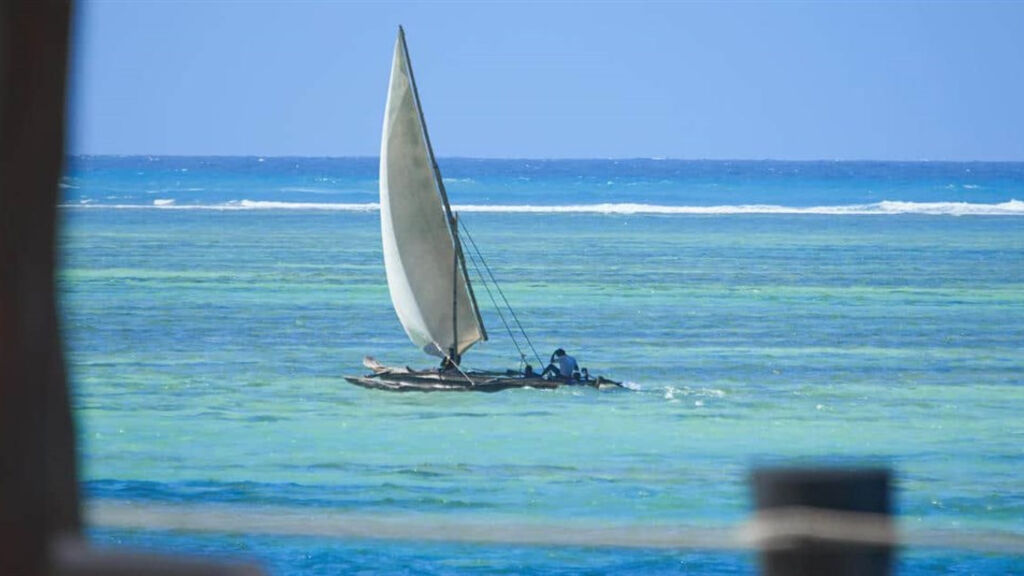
<point x="453" y="231"/>
<point x="453" y="353"/>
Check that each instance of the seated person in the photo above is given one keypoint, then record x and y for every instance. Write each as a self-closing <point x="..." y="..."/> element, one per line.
<point x="562" y="366"/>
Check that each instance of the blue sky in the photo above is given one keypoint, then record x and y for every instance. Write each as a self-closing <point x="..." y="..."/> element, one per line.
<point x="794" y="80"/>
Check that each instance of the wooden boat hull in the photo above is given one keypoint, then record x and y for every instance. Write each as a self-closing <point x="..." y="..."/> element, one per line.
<point x="409" y="380"/>
<point x="409" y="384"/>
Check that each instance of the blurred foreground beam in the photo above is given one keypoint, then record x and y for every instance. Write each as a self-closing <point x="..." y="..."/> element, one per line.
<point x="300" y="521"/>
<point x="768" y="529"/>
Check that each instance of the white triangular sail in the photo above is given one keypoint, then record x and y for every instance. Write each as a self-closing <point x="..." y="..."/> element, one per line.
<point x="426" y="274"/>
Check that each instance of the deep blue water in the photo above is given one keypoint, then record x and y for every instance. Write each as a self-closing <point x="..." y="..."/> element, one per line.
<point x="220" y="180"/>
<point x="766" y="312"/>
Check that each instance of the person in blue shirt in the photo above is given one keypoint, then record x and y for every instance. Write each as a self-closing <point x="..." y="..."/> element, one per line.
<point x="562" y="366"/>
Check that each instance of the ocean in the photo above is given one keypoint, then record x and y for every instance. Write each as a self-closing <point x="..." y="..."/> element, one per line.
<point x="762" y="313"/>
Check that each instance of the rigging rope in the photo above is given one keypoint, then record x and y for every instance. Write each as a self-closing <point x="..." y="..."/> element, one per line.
<point x="451" y="362"/>
<point x="540" y="363"/>
<point x="508" y="329"/>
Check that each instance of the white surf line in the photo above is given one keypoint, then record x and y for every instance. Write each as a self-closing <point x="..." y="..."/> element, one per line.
<point x="887" y="207"/>
<point x="884" y="208"/>
<point x="766" y="529"/>
<point x="243" y="205"/>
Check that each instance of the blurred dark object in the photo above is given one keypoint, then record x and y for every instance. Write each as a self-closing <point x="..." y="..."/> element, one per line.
<point x="40" y="523"/>
<point x="824" y="521"/>
<point x="38" y="490"/>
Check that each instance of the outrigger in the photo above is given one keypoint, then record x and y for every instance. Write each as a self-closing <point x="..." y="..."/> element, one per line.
<point x="425" y="264"/>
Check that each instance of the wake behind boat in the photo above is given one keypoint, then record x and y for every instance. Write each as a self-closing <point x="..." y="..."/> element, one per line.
<point x="425" y="264"/>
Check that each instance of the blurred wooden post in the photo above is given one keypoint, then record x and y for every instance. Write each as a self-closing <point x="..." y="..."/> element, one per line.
<point x="40" y="523"/>
<point x="824" y="521"/>
<point x="38" y="488"/>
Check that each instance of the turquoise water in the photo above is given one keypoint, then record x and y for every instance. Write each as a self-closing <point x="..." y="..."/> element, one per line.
<point x="767" y="313"/>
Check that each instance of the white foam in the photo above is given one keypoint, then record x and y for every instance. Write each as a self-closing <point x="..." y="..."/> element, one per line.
<point x="238" y="205"/>
<point x="172" y="190"/>
<point x="271" y="205"/>
<point x="163" y="201"/>
<point x="888" y="207"/>
<point x="1013" y="207"/>
<point x="311" y="190"/>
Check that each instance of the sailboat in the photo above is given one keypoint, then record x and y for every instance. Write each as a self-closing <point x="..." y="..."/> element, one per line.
<point x="423" y="257"/>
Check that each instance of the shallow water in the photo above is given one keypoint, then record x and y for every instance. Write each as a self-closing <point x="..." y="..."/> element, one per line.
<point x="206" y="349"/>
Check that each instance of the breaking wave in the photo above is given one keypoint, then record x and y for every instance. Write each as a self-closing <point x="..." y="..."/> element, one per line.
<point x="1013" y="207"/>
<point x="1010" y="208"/>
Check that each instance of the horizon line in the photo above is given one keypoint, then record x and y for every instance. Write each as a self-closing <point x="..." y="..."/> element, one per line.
<point x="554" y="158"/>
